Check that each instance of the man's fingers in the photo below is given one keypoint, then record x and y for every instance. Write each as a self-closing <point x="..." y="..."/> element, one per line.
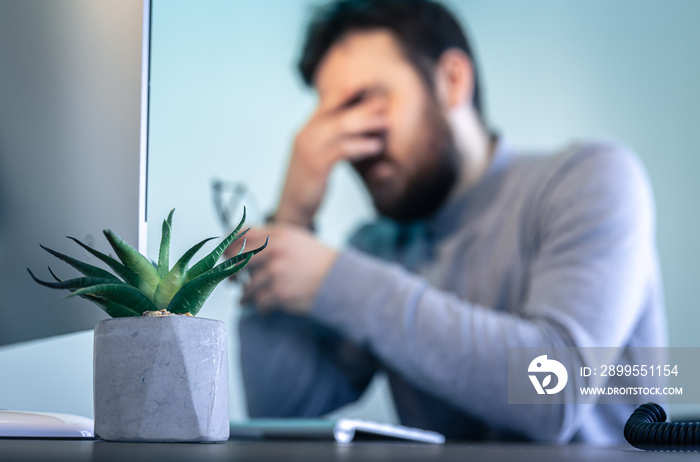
<point x="359" y="126"/>
<point x="359" y="147"/>
<point x="364" y="118"/>
<point x="260" y="282"/>
<point x="367" y="115"/>
<point x="356" y="134"/>
<point x="349" y="98"/>
<point x="259" y="260"/>
<point x="256" y="263"/>
<point x="255" y="237"/>
<point x="233" y="249"/>
<point x="260" y="293"/>
<point x="342" y="99"/>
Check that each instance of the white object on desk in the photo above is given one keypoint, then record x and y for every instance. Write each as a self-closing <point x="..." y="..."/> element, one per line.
<point x="18" y="424"/>
<point x="340" y="430"/>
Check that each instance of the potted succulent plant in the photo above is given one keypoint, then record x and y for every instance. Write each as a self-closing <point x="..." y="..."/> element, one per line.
<point x="157" y="376"/>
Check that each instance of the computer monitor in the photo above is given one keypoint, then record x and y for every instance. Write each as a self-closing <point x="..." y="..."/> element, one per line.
<point x="73" y="127"/>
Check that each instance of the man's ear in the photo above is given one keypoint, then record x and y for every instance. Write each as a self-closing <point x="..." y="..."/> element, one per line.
<point x="454" y="78"/>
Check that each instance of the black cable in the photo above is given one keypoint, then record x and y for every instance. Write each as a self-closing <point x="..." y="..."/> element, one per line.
<point x="647" y="429"/>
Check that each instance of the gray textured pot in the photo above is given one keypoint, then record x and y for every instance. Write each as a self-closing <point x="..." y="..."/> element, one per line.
<point x="161" y="379"/>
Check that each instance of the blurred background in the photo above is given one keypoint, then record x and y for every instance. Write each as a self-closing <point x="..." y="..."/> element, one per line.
<point x="226" y="102"/>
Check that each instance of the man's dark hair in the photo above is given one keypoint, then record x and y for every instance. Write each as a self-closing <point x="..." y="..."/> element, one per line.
<point x="424" y="28"/>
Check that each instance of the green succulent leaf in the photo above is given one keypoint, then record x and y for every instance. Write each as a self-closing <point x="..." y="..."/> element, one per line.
<point x="175" y="279"/>
<point x="84" y="268"/>
<point x="191" y="297"/>
<point x="238" y="236"/>
<point x="120" y="294"/>
<point x="132" y="259"/>
<point x="147" y="285"/>
<point x="225" y="265"/>
<point x="77" y="283"/>
<point x="125" y="273"/>
<point x="208" y="262"/>
<point x="54" y="275"/>
<point x="112" y="309"/>
<point x="164" y="254"/>
<point x="115" y="310"/>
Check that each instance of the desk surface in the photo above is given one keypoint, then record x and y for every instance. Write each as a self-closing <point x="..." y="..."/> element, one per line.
<point x="78" y="451"/>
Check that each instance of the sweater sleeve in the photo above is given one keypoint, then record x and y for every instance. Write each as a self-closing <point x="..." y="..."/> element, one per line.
<point x="292" y="367"/>
<point x="585" y="288"/>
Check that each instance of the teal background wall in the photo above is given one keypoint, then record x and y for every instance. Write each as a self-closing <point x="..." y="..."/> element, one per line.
<point x="226" y="103"/>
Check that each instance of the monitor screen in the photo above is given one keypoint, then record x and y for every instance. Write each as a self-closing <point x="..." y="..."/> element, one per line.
<point x="73" y="120"/>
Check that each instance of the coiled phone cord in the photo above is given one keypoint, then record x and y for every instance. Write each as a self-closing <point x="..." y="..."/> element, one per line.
<point x="647" y="429"/>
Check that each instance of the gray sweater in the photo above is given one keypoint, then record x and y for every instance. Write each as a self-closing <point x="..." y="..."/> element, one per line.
<point x="552" y="250"/>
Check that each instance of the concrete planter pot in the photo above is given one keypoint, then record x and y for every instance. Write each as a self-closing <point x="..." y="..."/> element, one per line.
<point x="161" y="379"/>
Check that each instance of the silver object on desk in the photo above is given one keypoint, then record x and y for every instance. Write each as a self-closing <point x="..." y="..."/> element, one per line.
<point x="340" y="430"/>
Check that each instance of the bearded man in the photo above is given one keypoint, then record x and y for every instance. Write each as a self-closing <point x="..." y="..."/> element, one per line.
<point x="476" y="248"/>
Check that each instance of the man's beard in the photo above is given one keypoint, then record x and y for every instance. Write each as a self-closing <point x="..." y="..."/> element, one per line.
<point x="429" y="184"/>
